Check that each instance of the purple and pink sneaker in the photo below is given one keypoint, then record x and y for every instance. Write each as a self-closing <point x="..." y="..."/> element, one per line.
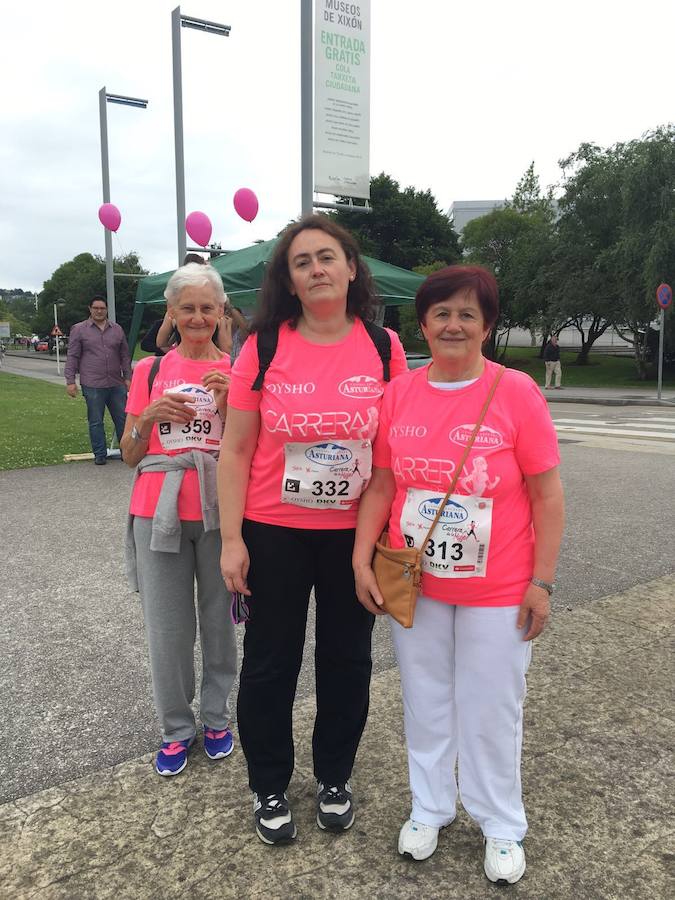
<point x="218" y="744"/>
<point x="172" y="757"/>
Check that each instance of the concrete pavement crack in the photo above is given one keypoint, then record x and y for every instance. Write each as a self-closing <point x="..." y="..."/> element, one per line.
<point x="63" y="879"/>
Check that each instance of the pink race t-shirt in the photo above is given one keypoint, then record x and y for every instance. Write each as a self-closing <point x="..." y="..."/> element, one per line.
<point x="319" y="409"/>
<point x="482" y="550"/>
<point x="174" y="370"/>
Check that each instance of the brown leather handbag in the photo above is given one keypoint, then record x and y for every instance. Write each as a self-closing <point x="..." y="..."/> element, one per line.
<point x="399" y="572"/>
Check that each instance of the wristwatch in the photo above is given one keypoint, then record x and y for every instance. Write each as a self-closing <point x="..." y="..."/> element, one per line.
<point x="136" y="435"/>
<point x="546" y="585"/>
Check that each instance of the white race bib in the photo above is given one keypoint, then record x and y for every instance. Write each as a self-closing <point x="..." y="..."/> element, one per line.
<point x="460" y="542"/>
<point x="204" y="432"/>
<point x="326" y="475"/>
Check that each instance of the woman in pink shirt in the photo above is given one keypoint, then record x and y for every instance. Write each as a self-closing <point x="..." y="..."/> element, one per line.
<point x="487" y="572"/>
<point x="297" y="452"/>
<point x="175" y="412"/>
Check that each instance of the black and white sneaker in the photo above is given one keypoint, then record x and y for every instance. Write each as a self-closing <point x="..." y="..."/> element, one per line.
<point x="335" y="811"/>
<point x="273" y="820"/>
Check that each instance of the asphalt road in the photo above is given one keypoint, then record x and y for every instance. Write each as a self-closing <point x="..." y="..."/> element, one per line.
<point x="35" y="365"/>
<point x="74" y="679"/>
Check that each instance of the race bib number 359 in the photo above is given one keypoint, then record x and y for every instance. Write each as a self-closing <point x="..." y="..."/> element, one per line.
<point x="460" y="542"/>
<point x="329" y="475"/>
<point x="204" y="432"/>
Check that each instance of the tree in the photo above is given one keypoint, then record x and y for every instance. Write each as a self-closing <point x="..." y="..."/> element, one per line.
<point x="77" y="281"/>
<point x="17" y="325"/>
<point x="515" y="242"/>
<point x="405" y="227"/>
<point x="20" y="305"/>
<point x="618" y="232"/>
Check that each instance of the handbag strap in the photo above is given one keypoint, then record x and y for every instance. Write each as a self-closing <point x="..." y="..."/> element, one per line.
<point x="465" y="455"/>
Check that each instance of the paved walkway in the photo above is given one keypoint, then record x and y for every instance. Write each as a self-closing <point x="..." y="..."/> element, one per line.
<point x="597" y="762"/>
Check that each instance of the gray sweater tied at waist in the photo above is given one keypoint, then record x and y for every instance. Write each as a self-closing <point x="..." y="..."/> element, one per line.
<point x="166" y="527"/>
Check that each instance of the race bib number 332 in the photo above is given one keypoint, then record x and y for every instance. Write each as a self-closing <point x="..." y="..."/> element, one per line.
<point x="329" y="475"/>
<point x="460" y="542"/>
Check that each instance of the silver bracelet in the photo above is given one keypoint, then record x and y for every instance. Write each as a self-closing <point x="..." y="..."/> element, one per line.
<point x="547" y="586"/>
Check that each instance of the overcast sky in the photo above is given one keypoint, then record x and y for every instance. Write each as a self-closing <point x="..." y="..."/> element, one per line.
<point x="464" y="96"/>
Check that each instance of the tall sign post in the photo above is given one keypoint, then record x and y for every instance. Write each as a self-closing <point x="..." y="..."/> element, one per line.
<point x="335" y="102"/>
<point x="664" y="297"/>
<point x="306" y="109"/>
<point x="103" y="98"/>
<point x="105" y="177"/>
<point x="179" y="21"/>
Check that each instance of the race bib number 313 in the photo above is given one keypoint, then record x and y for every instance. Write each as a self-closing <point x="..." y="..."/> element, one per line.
<point x="204" y="432"/>
<point x="329" y="475"/>
<point x="460" y="542"/>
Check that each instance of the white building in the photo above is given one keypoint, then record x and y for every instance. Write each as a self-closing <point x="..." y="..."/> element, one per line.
<point x="463" y="211"/>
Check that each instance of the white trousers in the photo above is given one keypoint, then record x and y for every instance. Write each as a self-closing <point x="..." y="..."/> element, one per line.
<point x="463" y="682"/>
<point x="553" y="368"/>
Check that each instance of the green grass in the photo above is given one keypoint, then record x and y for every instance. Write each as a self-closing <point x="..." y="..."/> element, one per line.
<point x="40" y="423"/>
<point x="602" y="371"/>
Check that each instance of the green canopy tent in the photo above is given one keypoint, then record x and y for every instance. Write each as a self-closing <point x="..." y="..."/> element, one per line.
<point x="242" y="273"/>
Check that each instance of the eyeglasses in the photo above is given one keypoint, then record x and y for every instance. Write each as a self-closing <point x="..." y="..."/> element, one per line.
<point x="239" y="609"/>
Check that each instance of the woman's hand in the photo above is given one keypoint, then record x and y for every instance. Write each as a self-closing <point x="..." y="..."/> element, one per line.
<point x="219" y="383"/>
<point x="536" y="607"/>
<point x="177" y="408"/>
<point x="367" y="590"/>
<point x="234" y="564"/>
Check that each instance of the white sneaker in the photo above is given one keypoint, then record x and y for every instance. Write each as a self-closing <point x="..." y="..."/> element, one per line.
<point x="504" y="860"/>
<point x="417" y="840"/>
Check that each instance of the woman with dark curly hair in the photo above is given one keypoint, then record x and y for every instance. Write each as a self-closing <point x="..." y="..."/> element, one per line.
<point x="296" y="455"/>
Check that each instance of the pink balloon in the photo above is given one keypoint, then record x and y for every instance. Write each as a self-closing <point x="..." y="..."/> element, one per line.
<point x="198" y="226"/>
<point x="109" y="216"/>
<point x="246" y="204"/>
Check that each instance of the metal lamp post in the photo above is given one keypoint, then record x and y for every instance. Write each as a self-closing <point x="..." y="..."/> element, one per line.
<point x="178" y="21"/>
<point x="59" y="302"/>
<point x="104" y="98"/>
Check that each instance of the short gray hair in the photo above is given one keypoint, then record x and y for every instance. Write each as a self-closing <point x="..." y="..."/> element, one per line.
<point x="194" y="275"/>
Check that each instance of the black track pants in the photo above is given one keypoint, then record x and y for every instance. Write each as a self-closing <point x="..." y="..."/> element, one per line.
<point x="285" y="564"/>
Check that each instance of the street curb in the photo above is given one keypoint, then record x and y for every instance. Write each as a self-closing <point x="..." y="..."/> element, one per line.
<point x="613" y="401"/>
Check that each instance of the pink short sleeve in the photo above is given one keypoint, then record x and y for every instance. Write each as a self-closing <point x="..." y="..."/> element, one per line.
<point x="536" y="444"/>
<point x="243" y="375"/>
<point x="138" y="396"/>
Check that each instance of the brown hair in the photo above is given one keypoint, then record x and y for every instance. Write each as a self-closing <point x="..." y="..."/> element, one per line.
<point x="277" y="304"/>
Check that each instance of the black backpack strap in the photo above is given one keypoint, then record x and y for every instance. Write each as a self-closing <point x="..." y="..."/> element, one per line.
<point x="382" y="340"/>
<point x="152" y="374"/>
<point x="267" y="346"/>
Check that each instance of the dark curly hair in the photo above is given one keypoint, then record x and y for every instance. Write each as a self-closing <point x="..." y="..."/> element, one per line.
<point x="276" y="303"/>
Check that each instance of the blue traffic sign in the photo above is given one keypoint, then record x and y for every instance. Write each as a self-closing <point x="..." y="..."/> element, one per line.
<point x="664" y="295"/>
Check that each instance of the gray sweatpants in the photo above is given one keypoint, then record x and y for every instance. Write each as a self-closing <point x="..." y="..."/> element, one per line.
<point x="166" y="584"/>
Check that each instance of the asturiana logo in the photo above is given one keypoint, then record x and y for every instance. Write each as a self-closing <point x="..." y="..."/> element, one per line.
<point x="201" y="395"/>
<point x="451" y="515"/>
<point x="361" y="386"/>
<point x="328" y="454"/>
<point x="486" y="437"/>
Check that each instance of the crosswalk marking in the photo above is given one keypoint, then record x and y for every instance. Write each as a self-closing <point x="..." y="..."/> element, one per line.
<point x="646" y="428"/>
<point x="633" y="423"/>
